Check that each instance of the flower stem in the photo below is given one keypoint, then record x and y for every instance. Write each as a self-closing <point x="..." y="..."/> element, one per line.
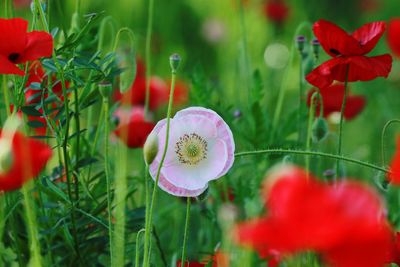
<point x="309" y="127"/>
<point x="148" y="54"/>
<point x="383" y="138"/>
<point x="6" y="95"/>
<point x="35" y="258"/>
<point x="185" y="233"/>
<point x="312" y="153"/>
<point x="107" y="174"/>
<point x="137" y="247"/>
<point x="146" y="258"/>
<point x="346" y="92"/>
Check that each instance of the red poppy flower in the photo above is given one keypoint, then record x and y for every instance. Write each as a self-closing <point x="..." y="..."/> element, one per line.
<point x="393" y="36"/>
<point x="333" y="95"/>
<point x="394" y="174"/>
<point x="19" y="46"/>
<point x="344" y="222"/>
<point x="218" y="260"/>
<point x="348" y="52"/>
<point x="276" y="10"/>
<point x="133" y="128"/>
<point x="28" y="158"/>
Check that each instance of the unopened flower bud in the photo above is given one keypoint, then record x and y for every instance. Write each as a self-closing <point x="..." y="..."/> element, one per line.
<point x="105" y="89"/>
<point x="150" y="148"/>
<point x="329" y="174"/>
<point x="6" y="156"/>
<point x="227" y="214"/>
<point x="300" y="40"/>
<point x="174" y="61"/>
<point x="315" y="47"/>
<point x="237" y="114"/>
<point x="319" y="129"/>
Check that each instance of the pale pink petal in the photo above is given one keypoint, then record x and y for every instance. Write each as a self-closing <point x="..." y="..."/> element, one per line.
<point x="179" y="127"/>
<point x="224" y="131"/>
<point x="194" y="177"/>
<point x="165" y="185"/>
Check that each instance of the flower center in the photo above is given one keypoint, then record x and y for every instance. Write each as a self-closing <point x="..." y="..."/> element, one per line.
<point x="191" y="149"/>
<point x="13" y="57"/>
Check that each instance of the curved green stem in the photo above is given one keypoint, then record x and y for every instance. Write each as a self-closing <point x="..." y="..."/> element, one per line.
<point x="383" y="138"/>
<point x="137" y="247"/>
<point x="146" y="258"/>
<point x="148" y="55"/>
<point x="285" y="79"/>
<point x="107" y="174"/>
<point x="35" y="258"/>
<point x="185" y="233"/>
<point x="309" y="127"/>
<point x="346" y="92"/>
<point x="311" y="153"/>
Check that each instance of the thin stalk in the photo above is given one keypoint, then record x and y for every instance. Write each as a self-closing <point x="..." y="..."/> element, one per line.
<point x="77" y="145"/>
<point x="245" y="51"/>
<point x="383" y="138"/>
<point x="346" y="92"/>
<point x="137" y="246"/>
<point x="6" y="95"/>
<point x="148" y="233"/>
<point x="314" y="96"/>
<point x="107" y="174"/>
<point x="185" y="233"/>
<point x="312" y="153"/>
<point x="148" y="54"/>
<point x="35" y="258"/>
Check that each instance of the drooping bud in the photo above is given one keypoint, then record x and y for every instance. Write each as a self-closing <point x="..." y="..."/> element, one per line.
<point x="319" y="129"/>
<point x="6" y="155"/>
<point x="150" y="148"/>
<point x="300" y="40"/>
<point x="174" y="61"/>
<point x="315" y="47"/>
<point x="105" y="89"/>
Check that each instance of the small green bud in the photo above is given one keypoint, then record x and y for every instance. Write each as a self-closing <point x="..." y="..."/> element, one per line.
<point x="319" y="129"/>
<point x="6" y="155"/>
<point x="105" y="89"/>
<point x="150" y="148"/>
<point x="316" y="47"/>
<point x="300" y="40"/>
<point x="174" y="61"/>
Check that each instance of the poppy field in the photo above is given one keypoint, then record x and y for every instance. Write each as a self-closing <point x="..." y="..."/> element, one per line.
<point x="229" y="133"/>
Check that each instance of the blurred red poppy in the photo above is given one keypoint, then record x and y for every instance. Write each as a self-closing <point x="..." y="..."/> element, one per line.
<point x="28" y="158"/>
<point x="19" y="46"/>
<point x="332" y="97"/>
<point x="218" y="260"/>
<point x="348" y="51"/>
<point x="132" y="128"/>
<point x="393" y="36"/>
<point x="276" y="10"/>
<point x="394" y="174"/>
<point x="344" y="222"/>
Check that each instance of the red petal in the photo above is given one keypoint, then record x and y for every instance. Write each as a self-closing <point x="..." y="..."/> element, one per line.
<point x="369" y="34"/>
<point x="12" y="36"/>
<point x="394" y="175"/>
<point x="332" y="97"/>
<point x="39" y="44"/>
<point x="134" y="134"/>
<point x="393" y="36"/>
<point x="334" y="40"/>
<point x="306" y="214"/>
<point x="7" y="67"/>
<point x="361" y="68"/>
<point x="29" y="158"/>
